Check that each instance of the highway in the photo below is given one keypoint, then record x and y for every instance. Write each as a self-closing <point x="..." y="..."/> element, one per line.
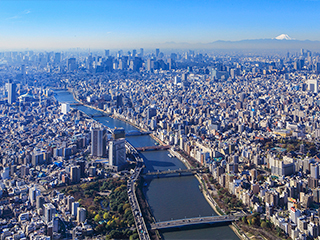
<point x="136" y="211"/>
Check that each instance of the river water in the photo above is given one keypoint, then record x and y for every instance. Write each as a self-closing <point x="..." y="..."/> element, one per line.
<point x="170" y="197"/>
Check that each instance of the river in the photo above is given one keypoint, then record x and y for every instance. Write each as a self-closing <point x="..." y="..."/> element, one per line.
<point x="169" y="198"/>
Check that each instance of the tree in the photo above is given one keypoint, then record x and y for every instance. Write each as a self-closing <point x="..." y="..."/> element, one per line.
<point x="105" y="215"/>
<point x="264" y="224"/>
<point x="97" y="218"/>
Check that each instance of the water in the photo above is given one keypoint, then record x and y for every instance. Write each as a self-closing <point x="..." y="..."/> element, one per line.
<point x="168" y="198"/>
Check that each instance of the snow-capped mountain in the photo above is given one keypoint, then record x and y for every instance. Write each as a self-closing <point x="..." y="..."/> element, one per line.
<point x="283" y="37"/>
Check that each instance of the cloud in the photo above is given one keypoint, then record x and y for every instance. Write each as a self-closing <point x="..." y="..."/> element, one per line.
<point x="20" y="15"/>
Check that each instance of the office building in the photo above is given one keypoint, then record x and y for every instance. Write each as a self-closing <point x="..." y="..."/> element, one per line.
<point x="33" y="193"/>
<point x="72" y="64"/>
<point x="49" y="211"/>
<point x="81" y="215"/>
<point x="39" y="202"/>
<point x="98" y="142"/>
<point x="65" y="108"/>
<point x="75" y="174"/>
<point x="313" y="85"/>
<point x="57" y="58"/>
<point x="12" y="92"/>
<point x="74" y="210"/>
<point x="117" y="152"/>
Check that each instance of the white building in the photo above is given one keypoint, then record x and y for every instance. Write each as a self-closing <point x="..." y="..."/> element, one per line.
<point x="65" y="108"/>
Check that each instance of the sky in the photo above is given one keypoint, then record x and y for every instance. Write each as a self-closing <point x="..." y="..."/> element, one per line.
<point x="107" y="24"/>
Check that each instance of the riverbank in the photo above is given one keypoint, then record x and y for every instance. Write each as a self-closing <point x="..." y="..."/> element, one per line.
<point x="207" y="195"/>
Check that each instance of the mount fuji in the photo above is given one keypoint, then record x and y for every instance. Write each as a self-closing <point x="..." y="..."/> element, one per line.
<point x="284" y="37"/>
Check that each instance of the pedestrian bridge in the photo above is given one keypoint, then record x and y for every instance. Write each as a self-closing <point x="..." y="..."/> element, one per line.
<point x="194" y="221"/>
<point x="179" y="171"/>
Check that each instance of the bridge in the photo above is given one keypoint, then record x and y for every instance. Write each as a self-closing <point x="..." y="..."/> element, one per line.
<point x="136" y="133"/>
<point x="153" y="148"/>
<point x="76" y="104"/>
<point x="194" y="221"/>
<point x="165" y="172"/>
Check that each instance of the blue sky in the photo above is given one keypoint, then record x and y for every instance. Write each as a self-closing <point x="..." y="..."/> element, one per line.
<point x="136" y="23"/>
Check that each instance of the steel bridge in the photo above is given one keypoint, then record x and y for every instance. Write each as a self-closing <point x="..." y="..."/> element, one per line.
<point x="165" y="172"/>
<point x="195" y="221"/>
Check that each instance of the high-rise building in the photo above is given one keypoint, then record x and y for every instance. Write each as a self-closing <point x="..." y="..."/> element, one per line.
<point x="11" y="92"/>
<point x="75" y="206"/>
<point x="57" y="58"/>
<point x="72" y="64"/>
<point x="314" y="171"/>
<point x="49" y="211"/>
<point x="141" y="52"/>
<point x="151" y="112"/>
<point x="117" y="152"/>
<point x="313" y="85"/>
<point x="70" y="200"/>
<point x="98" y="142"/>
<point x="157" y="52"/>
<point x="75" y="174"/>
<point x="65" y="108"/>
<point x="81" y="215"/>
<point x="40" y="202"/>
<point x="33" y="193"/>
<point x="106" y="53"/>
<point x="150" y="64"/>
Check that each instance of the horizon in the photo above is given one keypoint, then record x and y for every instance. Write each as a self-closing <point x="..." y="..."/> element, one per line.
<point x="134" y="24"/>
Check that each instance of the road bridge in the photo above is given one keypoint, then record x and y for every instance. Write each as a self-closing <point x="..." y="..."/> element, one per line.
<point x="195" y="221"/>
<point x="76" y="104"/>
<point x="136" y="133"/>
<point x="179" y="171"/>
<point x="153" y="148"/>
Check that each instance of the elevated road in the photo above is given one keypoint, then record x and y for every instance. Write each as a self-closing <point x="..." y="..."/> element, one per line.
<point x="195" y="221"/>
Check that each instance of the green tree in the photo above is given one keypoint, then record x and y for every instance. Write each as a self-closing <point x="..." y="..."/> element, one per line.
<point x="97" y="218"/>
<point x="264" y="224"/>
<point x="105" y="215"/>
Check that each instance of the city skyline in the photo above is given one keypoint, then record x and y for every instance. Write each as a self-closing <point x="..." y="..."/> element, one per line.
<point x="132" y="24"/>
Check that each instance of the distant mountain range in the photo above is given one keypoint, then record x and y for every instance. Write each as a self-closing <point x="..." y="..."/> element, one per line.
<point x="281" y="42"/>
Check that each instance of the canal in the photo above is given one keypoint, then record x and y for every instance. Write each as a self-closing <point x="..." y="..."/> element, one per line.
<point x="168" y="198"/>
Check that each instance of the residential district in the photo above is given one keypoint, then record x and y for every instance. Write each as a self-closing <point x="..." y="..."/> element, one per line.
<point x="252" y="120"/>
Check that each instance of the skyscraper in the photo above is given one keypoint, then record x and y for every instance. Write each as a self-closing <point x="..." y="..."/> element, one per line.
<point x="106" y="53"/>
<point x="75" y="174"/>
<point x="49" y="211"/>
<point x="98" y="142"/>
<point x="81" y="215"/>
<point x="57" y="58"/>
<point x="65" y="108"/>
<point x="117" y="152"/>
<point x="33" y="193"/>
<point x="157" y="52"/>
<point x="11" y="92"/>
<point x="75" y="206"/>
